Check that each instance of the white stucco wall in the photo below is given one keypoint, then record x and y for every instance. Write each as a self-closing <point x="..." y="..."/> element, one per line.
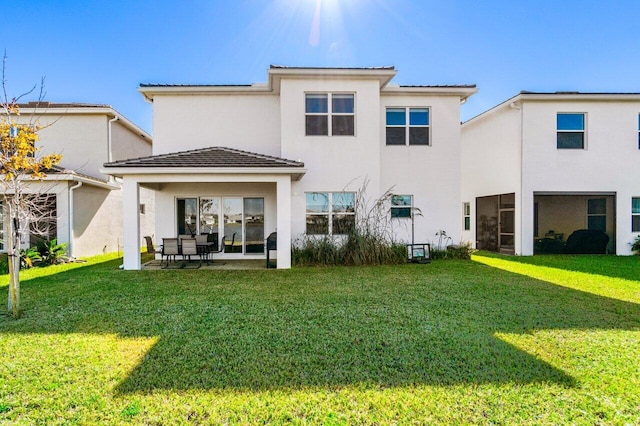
<point x="125" y="143"/>
<point x="246" y="122"/>
<point x="491" y="161"/>
<point x="430" y="173"/>
<point x="608" y="164"/>
<point x="333" y="163"/>
<point x="499" y="145"/>
<point x="80" y="139"/>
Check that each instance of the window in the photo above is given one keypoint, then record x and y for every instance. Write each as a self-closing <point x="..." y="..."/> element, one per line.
<point x="401" y="206"/>
<point x="142" y="209"/>
<point x="597" y="214"/>
<point x="330" y="213"/>
<point x="329" y="114"/>
<point x="570" y="130"/>
<point x="466" y="211"/>
<point x="408" y="125"/>
<point x="635" y="214"/>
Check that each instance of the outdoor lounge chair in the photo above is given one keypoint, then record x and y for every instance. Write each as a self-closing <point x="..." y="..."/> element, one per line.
<point x="170" y="248"/>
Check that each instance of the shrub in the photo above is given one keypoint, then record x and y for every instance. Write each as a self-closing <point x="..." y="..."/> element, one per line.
<point x="462" y="251"/>
<point x="52" y="252"/>
<point x="4" y="263"/>
<point x="29" y="257"/>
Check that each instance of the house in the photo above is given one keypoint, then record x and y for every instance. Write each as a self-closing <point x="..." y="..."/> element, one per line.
<point x="289" y="155"/>
<point x="84" y="204"/>
<point x="540" y="166"/>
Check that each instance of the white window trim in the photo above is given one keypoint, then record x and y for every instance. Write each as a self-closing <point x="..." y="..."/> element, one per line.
<point x="633" y="215"/>
<point x="410" y="207"/>
<point x="407" y="125"/>
<point x="330" y="213"/>
<point x="466" y="213"/>
<point x="584" y="130"/>
<point x="597" y="214"/>
<point x="330" y="113"/>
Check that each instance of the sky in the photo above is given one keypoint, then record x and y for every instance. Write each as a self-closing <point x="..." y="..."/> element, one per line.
<point x="100" y="51"/>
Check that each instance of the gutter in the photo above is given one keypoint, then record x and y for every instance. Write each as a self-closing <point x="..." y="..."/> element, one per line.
<point x="71" y="217"/>
<point x="109" y="142"/>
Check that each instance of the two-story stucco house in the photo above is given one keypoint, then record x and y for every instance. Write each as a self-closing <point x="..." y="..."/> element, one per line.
<point x="86" y="204"/>
<point x="290" y="154"/>
<point x="543" y="165"/>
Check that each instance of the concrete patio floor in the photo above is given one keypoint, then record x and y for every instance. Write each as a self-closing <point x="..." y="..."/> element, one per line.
<point x="243" y="264"/>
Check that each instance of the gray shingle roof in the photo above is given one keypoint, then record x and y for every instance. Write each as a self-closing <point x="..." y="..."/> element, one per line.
<point x="207" y="157"/>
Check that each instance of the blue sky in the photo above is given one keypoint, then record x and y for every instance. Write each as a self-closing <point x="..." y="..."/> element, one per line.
<point x="100" y="51"/>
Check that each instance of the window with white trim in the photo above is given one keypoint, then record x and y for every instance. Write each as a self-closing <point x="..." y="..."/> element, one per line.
<point x="597" y="214"/>
<point x="401" y="206"/>
<point x="330" y="114"/>
<point x="635" y="214"/>
<point x="330" y="213"/>
<point x="407" y="126"/>
<point x="466" y="211"/>
<point x="570" y="130"/>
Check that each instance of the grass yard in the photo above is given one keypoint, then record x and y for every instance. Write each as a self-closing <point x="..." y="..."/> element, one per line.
<point x="542" y="340"/>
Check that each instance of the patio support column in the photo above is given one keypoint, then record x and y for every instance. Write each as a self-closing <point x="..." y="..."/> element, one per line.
<point x="131" y="223"/>
<point x="283" y="191"/>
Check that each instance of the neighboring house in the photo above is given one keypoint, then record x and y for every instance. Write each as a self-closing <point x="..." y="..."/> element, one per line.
<point x="546" y="164"/>
<point x="289" y="156"/>
<point x="86" y="204"/>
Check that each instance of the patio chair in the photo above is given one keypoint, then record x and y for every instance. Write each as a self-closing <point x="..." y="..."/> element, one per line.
<point x="150" y="246"/>
<point x="170" y="248"/>
<point x="203" y="246"/>
<point x="190" y="248"/>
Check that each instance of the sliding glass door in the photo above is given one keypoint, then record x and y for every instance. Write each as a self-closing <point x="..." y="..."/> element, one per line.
<point x="240" y="220"/>
<point x="254" y="225"/>
<point x="232" y="214"/>
<point x="187" y="213"/>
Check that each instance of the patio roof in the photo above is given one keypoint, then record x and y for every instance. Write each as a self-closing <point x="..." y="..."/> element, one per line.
<point x="207" y="157"/>
<point x="206" y="160"/>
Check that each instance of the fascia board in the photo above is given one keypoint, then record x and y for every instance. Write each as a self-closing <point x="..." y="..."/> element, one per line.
<point x="463" y="92"/>
<point x="297" y="172"/>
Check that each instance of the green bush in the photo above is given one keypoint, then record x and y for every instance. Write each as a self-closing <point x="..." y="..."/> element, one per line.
<point x="52" y="252"/>
<point x="635" y="246"/>
<point x="355" y="249"/>
<point x="29" y="258"/>
<point x="462" y="251"/>
<point x="4" y="264"/>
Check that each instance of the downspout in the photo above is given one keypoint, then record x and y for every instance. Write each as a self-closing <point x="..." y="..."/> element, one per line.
<point x="72" y="244"/>
<point x="109" y="143"/>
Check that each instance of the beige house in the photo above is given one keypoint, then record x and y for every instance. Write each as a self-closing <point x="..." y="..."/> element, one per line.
<point x="85" y="205"/>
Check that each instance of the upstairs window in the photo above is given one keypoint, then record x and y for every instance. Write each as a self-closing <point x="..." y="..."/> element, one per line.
<point x="408" y="125"/>
<point x="401" y="206"/>
<point x="635" y="214"/>
<point x="570" y="128"/>
<point x="329" y="114"/>
<point x="330" y="213"/>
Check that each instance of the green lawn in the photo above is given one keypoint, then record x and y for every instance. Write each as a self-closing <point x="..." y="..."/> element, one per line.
<point x="542" y="340"/>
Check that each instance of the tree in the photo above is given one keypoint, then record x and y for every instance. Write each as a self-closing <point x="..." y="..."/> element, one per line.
<point x="20" y="163"/>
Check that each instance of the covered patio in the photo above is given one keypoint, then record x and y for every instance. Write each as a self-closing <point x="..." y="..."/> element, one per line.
<point x="239" y="196"/>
